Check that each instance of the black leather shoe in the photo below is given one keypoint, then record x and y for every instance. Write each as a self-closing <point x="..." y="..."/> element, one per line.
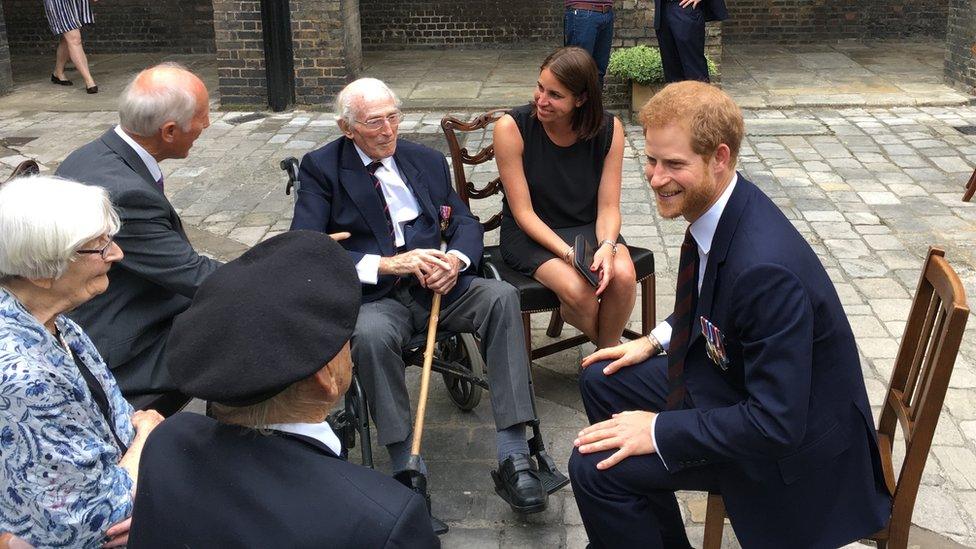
<point x="58" y="81"/>
<point x="93" y="89"/>
<point x="517" y="482"/>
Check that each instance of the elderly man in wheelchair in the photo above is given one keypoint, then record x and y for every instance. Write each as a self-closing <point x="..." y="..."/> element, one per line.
<point x="389" y="195"/>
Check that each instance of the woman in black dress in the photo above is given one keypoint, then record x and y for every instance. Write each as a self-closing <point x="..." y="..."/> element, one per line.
<point x="66" y="17"/>
<point x="560" y="160"/>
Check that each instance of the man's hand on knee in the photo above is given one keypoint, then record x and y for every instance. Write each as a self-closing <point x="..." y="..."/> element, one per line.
<point x="420" y="263"/>
<point x="628" y="432"/>
<point x="625" y="354"/>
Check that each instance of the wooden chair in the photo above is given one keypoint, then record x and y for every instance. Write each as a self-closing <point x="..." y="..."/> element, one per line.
<point x="25" y="168"/>
<point x="535" y="298"/>
<point x="970" y="188"/>
<point x="916" y="392"/>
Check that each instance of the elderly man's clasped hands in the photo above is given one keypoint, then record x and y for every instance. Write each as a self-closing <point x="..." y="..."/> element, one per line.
<point x="434" y="269"/>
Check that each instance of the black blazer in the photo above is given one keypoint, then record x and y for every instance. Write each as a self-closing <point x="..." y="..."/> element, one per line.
<point x="155" y="280"/>
<point x="713" y="10"/>
<point x="787" y="422"/>
<point x="205" y="484"/>
<point x="337" y="194"/>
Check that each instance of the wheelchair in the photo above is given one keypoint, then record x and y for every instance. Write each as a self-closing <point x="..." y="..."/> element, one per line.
<point x="459" y="360"/>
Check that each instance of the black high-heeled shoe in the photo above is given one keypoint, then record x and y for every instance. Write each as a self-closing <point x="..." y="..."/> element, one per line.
<point x="93" y="89"/>
<point x="58" y="81"/>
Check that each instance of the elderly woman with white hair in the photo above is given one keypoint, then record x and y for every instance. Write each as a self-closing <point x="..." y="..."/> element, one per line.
<point x="69" y="442"/>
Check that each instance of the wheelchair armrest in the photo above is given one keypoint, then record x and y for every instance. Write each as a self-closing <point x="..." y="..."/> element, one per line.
<point x="488" y="270"/>
<point x="290" y="166"/>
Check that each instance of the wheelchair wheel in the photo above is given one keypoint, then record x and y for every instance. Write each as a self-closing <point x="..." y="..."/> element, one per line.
<point x="463" y="350"/>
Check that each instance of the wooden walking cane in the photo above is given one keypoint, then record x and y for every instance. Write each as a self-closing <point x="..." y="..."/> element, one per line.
<point x="412" y="477"/>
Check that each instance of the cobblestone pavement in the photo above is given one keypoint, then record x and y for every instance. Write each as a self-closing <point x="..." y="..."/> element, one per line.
<point x="870" y="188"/>
<point x="844" y="73"/>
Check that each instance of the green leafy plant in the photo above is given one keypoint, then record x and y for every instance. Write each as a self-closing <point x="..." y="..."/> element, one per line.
<point x="642" y="64"/>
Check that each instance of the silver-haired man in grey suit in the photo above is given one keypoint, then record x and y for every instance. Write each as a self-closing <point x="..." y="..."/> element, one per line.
<point x="161" y="113"/>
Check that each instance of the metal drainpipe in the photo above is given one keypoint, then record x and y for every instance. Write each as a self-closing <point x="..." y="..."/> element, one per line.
<point x="279" y="59"/>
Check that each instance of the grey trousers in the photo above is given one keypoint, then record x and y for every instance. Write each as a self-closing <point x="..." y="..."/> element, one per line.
<point x="489" y="308"/>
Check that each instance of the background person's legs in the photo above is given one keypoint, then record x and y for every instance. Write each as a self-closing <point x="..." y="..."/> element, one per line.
<point x="592" y="31"/>
<point x="686" y="28"/>
<point x="76" y="52"/>
<point x="60" y="59"/>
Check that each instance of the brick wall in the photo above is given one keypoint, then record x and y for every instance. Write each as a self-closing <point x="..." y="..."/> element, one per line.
<point x="239" y="42"/>
<point x="434" y="23"/>
<point x="6" y="78"/>
<point x="327" y="48"/>
<point x="325" y="40"/>
<point x="179" y="26"/>
<point x="791" y="21"/>
<point x="960" y="62"/>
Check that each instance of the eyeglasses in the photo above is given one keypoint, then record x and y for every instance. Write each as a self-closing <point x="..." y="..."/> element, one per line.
<point x="102" y="252"/>
<point x="378" y="122"/>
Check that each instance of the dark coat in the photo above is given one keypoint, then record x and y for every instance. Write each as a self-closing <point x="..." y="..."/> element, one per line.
<point x="155" y="280"/>
<point x="206" y="484"/>
<point x="787" y="424"/>
<point x="337" y="194"/>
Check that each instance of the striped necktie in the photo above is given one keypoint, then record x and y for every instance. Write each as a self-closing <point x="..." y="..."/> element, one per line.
<point x="686" y="298"/>
<point x="371" y="168"/>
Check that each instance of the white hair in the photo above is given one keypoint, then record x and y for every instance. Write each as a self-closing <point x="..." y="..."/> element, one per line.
<point x="143" y="109"/>
<point x="364" y="88"/>
<point x="44" y="220"/>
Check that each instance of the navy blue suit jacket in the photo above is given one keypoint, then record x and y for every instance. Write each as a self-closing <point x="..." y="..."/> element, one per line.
<point x="714" y="10"/>
<point x="788" y="423"/>
<point x="337" y="194"/>
<point x="209" y="484"/>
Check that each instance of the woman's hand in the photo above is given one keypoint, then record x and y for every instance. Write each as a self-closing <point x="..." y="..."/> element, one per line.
<point x="118" y="534"/>
<point x="145" y="421"/>
<point x="603" y="263"/>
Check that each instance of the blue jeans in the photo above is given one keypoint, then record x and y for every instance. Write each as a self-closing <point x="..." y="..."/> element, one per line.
<point x="592" y="31"/>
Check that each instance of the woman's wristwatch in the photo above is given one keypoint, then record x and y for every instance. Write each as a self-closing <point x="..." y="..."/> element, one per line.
<point x="613" y="246"/>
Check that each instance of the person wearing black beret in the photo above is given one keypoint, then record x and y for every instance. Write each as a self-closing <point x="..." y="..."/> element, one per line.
<point x="266" y="340"/>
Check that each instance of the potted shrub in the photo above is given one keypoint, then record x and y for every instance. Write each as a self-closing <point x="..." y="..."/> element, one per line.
<point x="642" y="66"/>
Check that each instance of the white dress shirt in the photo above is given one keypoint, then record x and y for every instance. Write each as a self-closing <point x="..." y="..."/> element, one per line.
<point x="403" y="208"/>
<point x="321" y="432"/>
<point x="703" y="231"/>
<point x="147" y="158"/>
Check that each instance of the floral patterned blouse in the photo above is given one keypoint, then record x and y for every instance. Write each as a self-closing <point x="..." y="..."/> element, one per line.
<point x="61" y="484"/>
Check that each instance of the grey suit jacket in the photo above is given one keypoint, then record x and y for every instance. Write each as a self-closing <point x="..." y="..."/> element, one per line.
<point x="155" y="280"/>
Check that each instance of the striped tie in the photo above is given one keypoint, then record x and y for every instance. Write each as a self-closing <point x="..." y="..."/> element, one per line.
<point x="686" y="297"/>
<point x="371" y="168"/>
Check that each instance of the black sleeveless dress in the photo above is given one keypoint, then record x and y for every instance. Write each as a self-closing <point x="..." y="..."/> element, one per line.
<point x="563" y="185"/>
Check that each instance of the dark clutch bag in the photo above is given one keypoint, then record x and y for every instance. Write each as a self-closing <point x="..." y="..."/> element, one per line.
<point x="583" y="258"/>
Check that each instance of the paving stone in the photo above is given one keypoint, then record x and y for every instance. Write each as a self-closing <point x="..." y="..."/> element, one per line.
<point x="883" y="242"/>
<point x="961" y="403"/>
<point x="878" y="347"/>
<point x="883" y="197"/>
<point x="936" y="510"/>
<point x="880" y="288"/>
<point x="959" y="465"/>
<point x="867" y="327"/>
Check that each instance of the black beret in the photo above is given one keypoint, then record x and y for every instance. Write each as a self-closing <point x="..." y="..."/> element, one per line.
<point x="271" y="317"/>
